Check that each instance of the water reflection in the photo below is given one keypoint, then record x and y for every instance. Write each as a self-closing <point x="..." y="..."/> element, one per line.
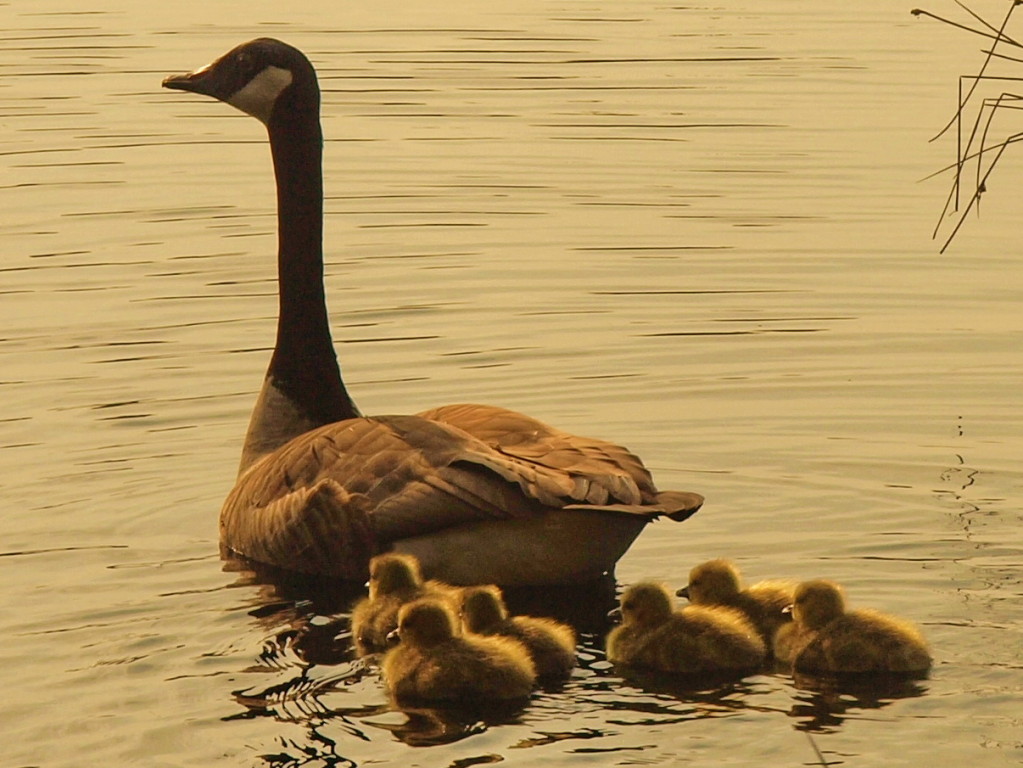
<point x="824" y="703"/>
<point x="501" y="207"/>
<point x="429" y="726"/>
<point x="306" y="674"/>
<point x="322" y="752"/>
<point x="653" y="698"/>
<point x="310" y="656"/>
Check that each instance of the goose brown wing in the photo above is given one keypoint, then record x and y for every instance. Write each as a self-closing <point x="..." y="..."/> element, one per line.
<point x="417" y="476"/>
<point x="605" y="474"/>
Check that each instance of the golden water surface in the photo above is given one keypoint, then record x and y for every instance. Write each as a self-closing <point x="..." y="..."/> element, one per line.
<point x="694" y="228"/>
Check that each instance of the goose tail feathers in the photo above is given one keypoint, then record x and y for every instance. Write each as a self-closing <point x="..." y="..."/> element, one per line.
<point x="675" y="505"/>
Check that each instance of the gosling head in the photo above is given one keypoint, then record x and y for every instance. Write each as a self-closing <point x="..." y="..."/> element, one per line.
<point x="712" y="583"/>
<point x="392" y="574"/>
<point x="646" y="603"/>
<point x="256" y="77"/>
<point x="817" y="602"/>
<point x="482" y="607"/>
<point x="424" y="623"/>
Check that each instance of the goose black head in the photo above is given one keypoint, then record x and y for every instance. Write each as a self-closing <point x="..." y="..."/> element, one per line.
<point x="257" y="77"/>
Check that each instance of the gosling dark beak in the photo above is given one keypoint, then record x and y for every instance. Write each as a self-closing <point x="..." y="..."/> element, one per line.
<point x="787" y="610"/>
<point x="393" y="637"/>
<point x="684" y="592"/>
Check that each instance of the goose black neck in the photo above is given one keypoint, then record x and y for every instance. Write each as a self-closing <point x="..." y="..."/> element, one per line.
<point x="304" y="366"/>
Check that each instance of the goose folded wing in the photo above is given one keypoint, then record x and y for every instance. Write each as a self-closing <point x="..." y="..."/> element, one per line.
<point x="606" y="475"/>
<point x="610" y="473"/>
<point x="417" y="476"/>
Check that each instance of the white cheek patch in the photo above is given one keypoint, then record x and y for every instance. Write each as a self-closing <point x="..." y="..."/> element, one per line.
<point x="258" y="96"/>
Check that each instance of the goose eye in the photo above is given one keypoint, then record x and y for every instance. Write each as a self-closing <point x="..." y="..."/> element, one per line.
<point x="246" y="64"/>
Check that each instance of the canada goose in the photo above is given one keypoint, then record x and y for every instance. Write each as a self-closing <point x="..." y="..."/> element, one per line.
<point x="825" y="637"/>
<point x="478" y="494"/>
<point x="432" y="662"/>
<point x="718" y="582"/>
<point x="394" y="580"/>
<point x="694" y="640"/>
<point x="550" y="643"/>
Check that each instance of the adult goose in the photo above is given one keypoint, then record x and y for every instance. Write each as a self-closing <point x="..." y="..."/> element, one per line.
<point x="478" y="494"/>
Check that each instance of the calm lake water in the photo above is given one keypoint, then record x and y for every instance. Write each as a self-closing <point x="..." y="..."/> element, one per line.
<point x="697" y="229"/>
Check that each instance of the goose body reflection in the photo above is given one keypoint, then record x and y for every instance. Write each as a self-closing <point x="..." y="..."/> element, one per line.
<point x="824" y="637"/>
<point x="478" y="494"/>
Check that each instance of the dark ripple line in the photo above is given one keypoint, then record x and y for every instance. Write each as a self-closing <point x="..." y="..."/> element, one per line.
<point x="407" y="31"/>
<point x="74" y="266"/>
<point x="710" y="292"/>
<point x="675" y="126"/>
<point x="420" y="224"/>
<point x="822" y="318"/>
<point x="78" y="48"/>
<point x="42" y="111"/>
<point x="573" y="87"/>
<point x="617" y="139"/>
<point x="430" y="51"/>
<point x="541" y="62"/>
<point x="602" y="248"/>
<point x="443" y="212"/>
<point x="76" y="36"/>
<point x="506" y="38"/>
<point x="389" y="338"/>
<point x="731" y="333"/>
<point x="673" y="59"/>
<point x="50" y="550"/>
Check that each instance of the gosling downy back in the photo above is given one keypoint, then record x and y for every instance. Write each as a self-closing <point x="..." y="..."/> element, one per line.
<point x="719" y="582"/>
<point x="694" y="641"/>
<point x="550" y="643"/>
<point x="432" y="663"/>
<point x="827" y="638"/>
<point x="394" y="580"/>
